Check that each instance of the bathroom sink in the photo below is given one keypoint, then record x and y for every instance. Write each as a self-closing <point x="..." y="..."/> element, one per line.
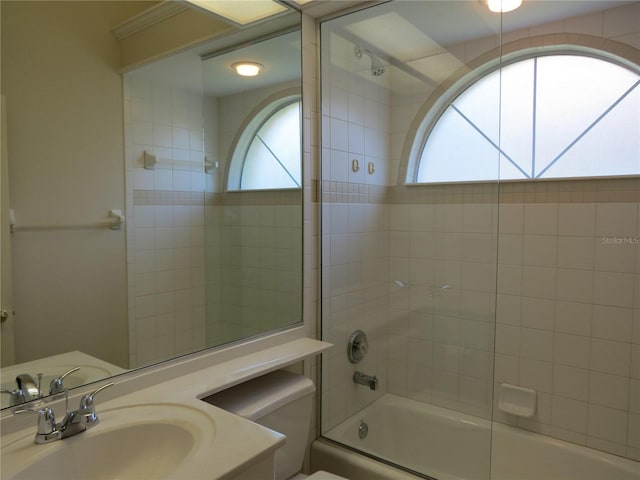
<point x="150" y="441"/>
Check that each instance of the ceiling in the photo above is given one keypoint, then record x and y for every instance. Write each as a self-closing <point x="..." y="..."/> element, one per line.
<point x="401" y="31"/>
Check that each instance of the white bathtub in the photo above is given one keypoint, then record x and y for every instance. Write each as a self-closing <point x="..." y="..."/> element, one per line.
<point x="452" y="446"/>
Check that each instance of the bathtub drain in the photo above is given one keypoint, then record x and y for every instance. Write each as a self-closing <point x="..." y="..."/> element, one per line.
<point x="363" y="430"/>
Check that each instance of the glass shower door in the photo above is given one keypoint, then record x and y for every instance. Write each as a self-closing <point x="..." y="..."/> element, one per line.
<point x="409" y="252"/>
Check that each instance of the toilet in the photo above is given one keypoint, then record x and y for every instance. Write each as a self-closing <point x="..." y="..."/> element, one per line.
<point x="281" y="401"/>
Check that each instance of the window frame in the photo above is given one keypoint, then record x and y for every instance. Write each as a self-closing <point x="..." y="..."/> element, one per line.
<point x="246" y="134"/>
<point x="446" y="94"/>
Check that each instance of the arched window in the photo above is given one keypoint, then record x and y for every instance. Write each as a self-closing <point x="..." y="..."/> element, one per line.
<point x="267" y="153"/>
<point x="543" y="115"/>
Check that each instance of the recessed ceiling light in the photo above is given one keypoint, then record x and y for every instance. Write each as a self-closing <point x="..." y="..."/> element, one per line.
<point x="247" y="69"/>
<point x="503" y="6"/>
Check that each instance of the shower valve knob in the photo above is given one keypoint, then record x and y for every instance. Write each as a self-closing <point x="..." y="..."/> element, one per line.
<point x="358" y="346"/>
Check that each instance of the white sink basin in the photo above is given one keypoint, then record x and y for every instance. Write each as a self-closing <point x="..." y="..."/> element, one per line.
<point x="149" y="441"/>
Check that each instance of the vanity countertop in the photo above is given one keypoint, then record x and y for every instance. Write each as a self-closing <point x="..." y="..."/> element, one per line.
<point x="236" y="444"/>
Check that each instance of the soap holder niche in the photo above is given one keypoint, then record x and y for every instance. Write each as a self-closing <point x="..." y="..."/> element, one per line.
<point x="515" y="400"/>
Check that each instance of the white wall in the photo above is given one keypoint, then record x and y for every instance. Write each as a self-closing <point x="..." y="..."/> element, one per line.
<point x="65" y="147"/>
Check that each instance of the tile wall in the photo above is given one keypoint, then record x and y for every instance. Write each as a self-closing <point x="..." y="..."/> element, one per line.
<point x="165" y="220"/>
<point x="253" y="239"/>
<point x="355" y="239"/>
<point x="568" y="311"/>
<point x="549" y="273"/>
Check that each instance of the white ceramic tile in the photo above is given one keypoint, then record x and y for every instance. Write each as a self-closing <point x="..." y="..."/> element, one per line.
<point x="510" y="249"/>
<point x="144" y="217"/>
<point x="615" y="257"/>
<point x="577" y="219"/>
<point x="144" y="261"/>
<point x="142" y="179"/>
<point x="541" y="219"/>
<point x="536" y="344"/>
<point x="162" y="179"/>
<point x="144" y="284"/>
<point x="340" y="166"/>
<point x="607" y="424"/>
<point x="448" y="246"/>
<point x="539" y="282"/>
<point x="634" y="395"/>
<point x="507" y="368"/>
<point x="616" y="219"/>
<point x="145" y="306"/>
<point x="536" y="374"/>
<point x="161" y="113"/>
<point x="475" y="363"/>
<point x="571" y="382"/>
<point x="569" y="414"/>
<point x="610" y="357"/>
<point x="540" y="250"/>
<point x="511" y="218"/>
<point x="162" y="136"/>
<point x="339" y="135"/>
<point x="612" y="323"/>
<point x="508" y="309"/>
<point x="633" y="432"/>
<point x="421" y="217"/>
<point x="575" y="285"/>
<point x="448" y="218"/>
<point x="141" y="110"/>
<point x="356" y="140"/>
<point x="609" y="390"/>
<point x="479" y="247"/>
<point x="573" y="318"/>
<point x="613" y="289"/>
<point x="479" y="217"/>
<point x="478" y="277"/>
<point x="181" y="180"/>
<point x="510" y="279"/>
<point x="538" y="313"/>
<point x="163" y="281"/>
<point x="576" y="252"/>
<point x="571" y="350"/>
<point x="635" y="361"/>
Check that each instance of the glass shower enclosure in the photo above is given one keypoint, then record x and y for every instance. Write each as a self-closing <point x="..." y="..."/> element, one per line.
<point x="467" y="216"/>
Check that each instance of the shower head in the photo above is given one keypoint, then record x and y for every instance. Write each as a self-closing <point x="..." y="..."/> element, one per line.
<point x="377" y="68"/>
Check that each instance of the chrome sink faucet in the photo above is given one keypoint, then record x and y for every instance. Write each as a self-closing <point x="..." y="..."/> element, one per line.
<point x="73" y="423"/>
<point x="27" y="389"/>
<point x="366" y="380"/>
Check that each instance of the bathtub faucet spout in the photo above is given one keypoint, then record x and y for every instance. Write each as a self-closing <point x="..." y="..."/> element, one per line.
<point x="366" y="380"/>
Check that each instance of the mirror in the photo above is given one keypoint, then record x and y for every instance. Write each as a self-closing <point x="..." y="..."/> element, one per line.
<point x="123" y="264"/>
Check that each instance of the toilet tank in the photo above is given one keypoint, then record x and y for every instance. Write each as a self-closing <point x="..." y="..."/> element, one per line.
<point x="281" y="401"/>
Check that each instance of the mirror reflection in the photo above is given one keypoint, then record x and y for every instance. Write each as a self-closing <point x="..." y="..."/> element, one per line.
<point x="217" y="208"/>
<point x="194" y="240"/>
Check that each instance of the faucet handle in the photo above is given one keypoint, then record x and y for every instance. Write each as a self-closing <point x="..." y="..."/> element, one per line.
<point x="56" y="385"/>
<point x="88" y="409"/>
<point x="46" y="419"/>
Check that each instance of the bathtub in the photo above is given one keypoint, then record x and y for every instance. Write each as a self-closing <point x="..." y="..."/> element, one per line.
<point x="453" y="446"/>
